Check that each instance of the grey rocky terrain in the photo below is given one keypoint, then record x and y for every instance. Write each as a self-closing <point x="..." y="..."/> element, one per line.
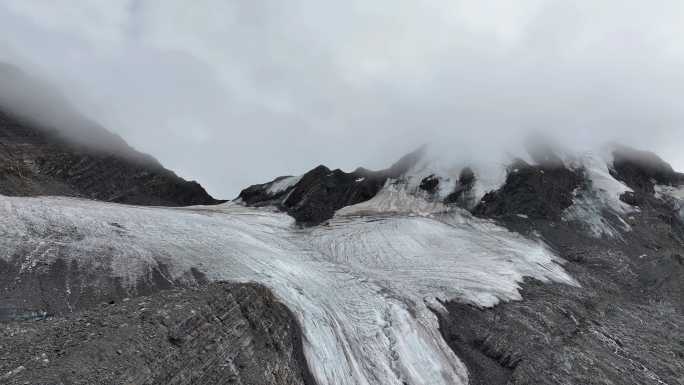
<point x="39" y="161"/>
<point x="219" y="333"/>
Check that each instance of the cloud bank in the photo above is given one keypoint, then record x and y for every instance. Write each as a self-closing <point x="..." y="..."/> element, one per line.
<point x="237" y="92"/>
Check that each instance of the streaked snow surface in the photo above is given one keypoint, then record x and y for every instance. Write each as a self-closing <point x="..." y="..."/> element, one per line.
<point x="361" y="287"/>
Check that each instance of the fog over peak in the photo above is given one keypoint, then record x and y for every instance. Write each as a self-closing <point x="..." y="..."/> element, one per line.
<point x="232" y="93"/>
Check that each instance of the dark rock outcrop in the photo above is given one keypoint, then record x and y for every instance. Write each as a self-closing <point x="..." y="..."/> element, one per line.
<point x="217" y="334"/>
<point x="542" y="191"/>
<point x="462" y="194"/>
<point x="259" y="195"/>
<point x="41" y="161"/>
<point x="641" y="170"/>
<point x="429" y="183"/>
<point x="321" y="191"/>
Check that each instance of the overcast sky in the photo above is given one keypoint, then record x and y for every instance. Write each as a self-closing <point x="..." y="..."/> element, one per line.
<point x="232" y="93"/>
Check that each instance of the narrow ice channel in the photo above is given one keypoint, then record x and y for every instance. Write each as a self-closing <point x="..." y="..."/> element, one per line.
<point x="362" y="287"/>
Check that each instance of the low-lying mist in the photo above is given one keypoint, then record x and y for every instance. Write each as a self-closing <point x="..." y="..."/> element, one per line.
<point x="236" y="93"/>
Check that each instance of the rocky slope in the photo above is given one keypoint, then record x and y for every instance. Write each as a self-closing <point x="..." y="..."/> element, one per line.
<point x="217" y="334"/>
<point x="63" y="153"/>
<point x="622" y="326"/>
<point x="40" y="161"/>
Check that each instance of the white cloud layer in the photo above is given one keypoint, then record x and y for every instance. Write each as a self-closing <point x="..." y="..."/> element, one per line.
<point x="236" y="92"/>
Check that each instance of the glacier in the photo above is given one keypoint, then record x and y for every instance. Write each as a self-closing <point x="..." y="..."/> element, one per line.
<point x="364" y="288"/>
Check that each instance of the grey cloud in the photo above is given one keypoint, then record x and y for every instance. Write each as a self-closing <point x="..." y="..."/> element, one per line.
<point x="238" y="92"/>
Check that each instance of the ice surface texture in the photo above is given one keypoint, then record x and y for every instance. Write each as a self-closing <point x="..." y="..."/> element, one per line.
<point x="363" y="288"/>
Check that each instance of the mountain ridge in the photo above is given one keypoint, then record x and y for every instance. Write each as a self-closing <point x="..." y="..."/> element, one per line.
<point x="603" y="242"/>
<point x="63" y="153"/>
<point x="544" y="188"/>
<point x="37" y="161"/>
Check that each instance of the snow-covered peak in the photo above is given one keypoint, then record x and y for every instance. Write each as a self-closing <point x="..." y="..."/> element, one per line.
<point x="590" y="188"/>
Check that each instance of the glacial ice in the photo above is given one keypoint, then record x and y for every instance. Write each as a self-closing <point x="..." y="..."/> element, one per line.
<point x="364" y="288"/>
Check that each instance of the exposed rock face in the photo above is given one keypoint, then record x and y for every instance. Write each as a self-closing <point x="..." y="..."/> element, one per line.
<point x="535" y="191"/>
<point x="623" y="325"/>
<point x="462" y="194"/>
<point x="61" y="287"/>
<point x="429" y="183"/>
<point x="220" y="333"/>
<point x="321" y="192"/>
<point x="640" y="170"/>
<point x="41" y="161"/>
<point x="316" y="196"/>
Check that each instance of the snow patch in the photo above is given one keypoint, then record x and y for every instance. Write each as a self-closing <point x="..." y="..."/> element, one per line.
<point x="489" y="176"/>
<point x="608" y="188"/>
<point x="283" y="184"/>
<point x="599" y="202"/>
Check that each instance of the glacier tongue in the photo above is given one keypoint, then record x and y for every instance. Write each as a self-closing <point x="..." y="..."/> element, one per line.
<point x="363" y="288"/>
